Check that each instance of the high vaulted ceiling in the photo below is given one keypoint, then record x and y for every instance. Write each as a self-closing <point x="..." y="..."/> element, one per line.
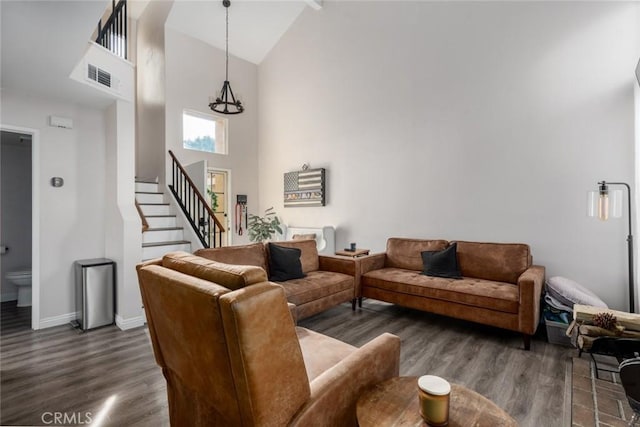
<point x="255" y="26"/>
<point x="42" y="41"/>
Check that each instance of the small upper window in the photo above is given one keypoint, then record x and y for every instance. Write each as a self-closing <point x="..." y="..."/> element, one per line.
<point x="204" y="132"/>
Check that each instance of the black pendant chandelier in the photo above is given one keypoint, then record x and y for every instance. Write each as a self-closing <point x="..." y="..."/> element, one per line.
<point x="226" y="102"/>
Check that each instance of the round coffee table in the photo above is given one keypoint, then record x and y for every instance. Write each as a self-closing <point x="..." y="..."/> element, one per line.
<point x="395" y="402"/>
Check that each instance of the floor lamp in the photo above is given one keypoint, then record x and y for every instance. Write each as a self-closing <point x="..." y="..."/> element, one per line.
<point x="605" y="203"/>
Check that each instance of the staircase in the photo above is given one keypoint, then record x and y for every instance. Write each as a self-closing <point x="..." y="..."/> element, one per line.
<point x="163" y="234"/>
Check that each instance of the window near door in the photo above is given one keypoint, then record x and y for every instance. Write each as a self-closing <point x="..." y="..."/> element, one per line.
<point x="204" y="132"/>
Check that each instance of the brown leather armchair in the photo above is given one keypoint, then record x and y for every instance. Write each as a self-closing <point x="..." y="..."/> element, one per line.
<point x="235" y="358"/>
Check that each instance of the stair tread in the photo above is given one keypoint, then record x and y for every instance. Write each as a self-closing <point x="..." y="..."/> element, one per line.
<point x="140" y="181"/>
<point x="149" y="192"/>
<point x="160" y="216"/>
<point x="154" y="204"/>
<point x="164" y="228"/>
<point x="170" y="243"/>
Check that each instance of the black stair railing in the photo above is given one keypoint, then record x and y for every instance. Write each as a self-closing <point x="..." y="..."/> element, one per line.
<point x="113" y="35"/>
<point x="196" y="209"/>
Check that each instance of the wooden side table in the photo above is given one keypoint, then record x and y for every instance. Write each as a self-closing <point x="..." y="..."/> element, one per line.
<point x="353" y="254"/>
<point x="395" y="402"/>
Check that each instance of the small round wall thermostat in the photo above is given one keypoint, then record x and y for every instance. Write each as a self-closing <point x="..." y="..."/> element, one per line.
<point x="56" y="181"/>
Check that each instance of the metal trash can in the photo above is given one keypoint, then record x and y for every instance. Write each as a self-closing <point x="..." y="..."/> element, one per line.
<point x="95" y="292"/>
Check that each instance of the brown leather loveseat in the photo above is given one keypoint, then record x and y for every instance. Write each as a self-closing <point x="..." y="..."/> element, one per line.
<point x="328" y="281"/>
<point x="232" y="356"/>
<point x="500" y="286"/>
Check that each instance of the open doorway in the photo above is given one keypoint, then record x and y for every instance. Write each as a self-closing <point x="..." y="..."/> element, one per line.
<point x="16" y="254"/>
<point x="218" y="187"/>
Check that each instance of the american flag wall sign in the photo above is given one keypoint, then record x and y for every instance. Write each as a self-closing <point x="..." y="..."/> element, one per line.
<point x="304" y="188"/>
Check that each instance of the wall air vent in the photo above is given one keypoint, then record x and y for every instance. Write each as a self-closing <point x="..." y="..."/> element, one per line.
<point x="99" y="75"/>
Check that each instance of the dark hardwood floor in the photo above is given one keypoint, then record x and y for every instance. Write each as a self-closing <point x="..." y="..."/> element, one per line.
<point x="59" y="370"/>
<point x="530" y="385"/>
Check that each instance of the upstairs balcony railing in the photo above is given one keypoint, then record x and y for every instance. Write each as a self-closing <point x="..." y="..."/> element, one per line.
<point x="113" y="34"/>
<point x="193" y="205"/>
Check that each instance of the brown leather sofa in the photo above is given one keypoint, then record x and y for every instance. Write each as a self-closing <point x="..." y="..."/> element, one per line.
<point x="232" y="356"/>
<point x="500" y="286"/>
<point x="329" y="281"/>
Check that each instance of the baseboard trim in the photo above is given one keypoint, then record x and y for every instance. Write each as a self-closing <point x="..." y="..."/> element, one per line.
<point x="63" y="319"/>
<point x="9" y="296"/>
<point x="133" y="322"/>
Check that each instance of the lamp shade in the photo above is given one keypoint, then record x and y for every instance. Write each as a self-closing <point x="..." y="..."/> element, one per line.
<point x="604" y="204"/>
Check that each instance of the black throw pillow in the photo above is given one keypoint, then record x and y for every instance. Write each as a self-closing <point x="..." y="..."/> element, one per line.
<point x="441" y="263"/>
<point x="284" y="263"/>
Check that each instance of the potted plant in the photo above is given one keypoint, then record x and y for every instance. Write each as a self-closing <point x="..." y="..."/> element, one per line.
<point x="214" y="199"/>
<point x="263" y="228"/>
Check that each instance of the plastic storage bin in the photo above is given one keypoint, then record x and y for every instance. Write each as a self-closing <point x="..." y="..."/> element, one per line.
<point x="95" y="295"/>
<point x="557" y="333"/>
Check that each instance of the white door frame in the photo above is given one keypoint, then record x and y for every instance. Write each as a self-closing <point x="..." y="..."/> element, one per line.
<point x="227" y="190"/>
<point x="35" y="218"/>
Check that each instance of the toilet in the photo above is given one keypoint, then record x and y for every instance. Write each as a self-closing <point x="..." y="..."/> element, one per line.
<point x="22" y="280"/>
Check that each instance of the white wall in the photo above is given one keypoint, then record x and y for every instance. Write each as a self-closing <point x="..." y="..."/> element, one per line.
<point x="121" y="71"/>
<point x="480" y="121"/>
<point x="636" y="204"/>
<point x="150" y="87"/>
<point x="194" y="72"/>
<point x="198" y="173"/>
<point x="72" y="217"/>
<point x="123" y="223"/>
<point x="16" y="208"/>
